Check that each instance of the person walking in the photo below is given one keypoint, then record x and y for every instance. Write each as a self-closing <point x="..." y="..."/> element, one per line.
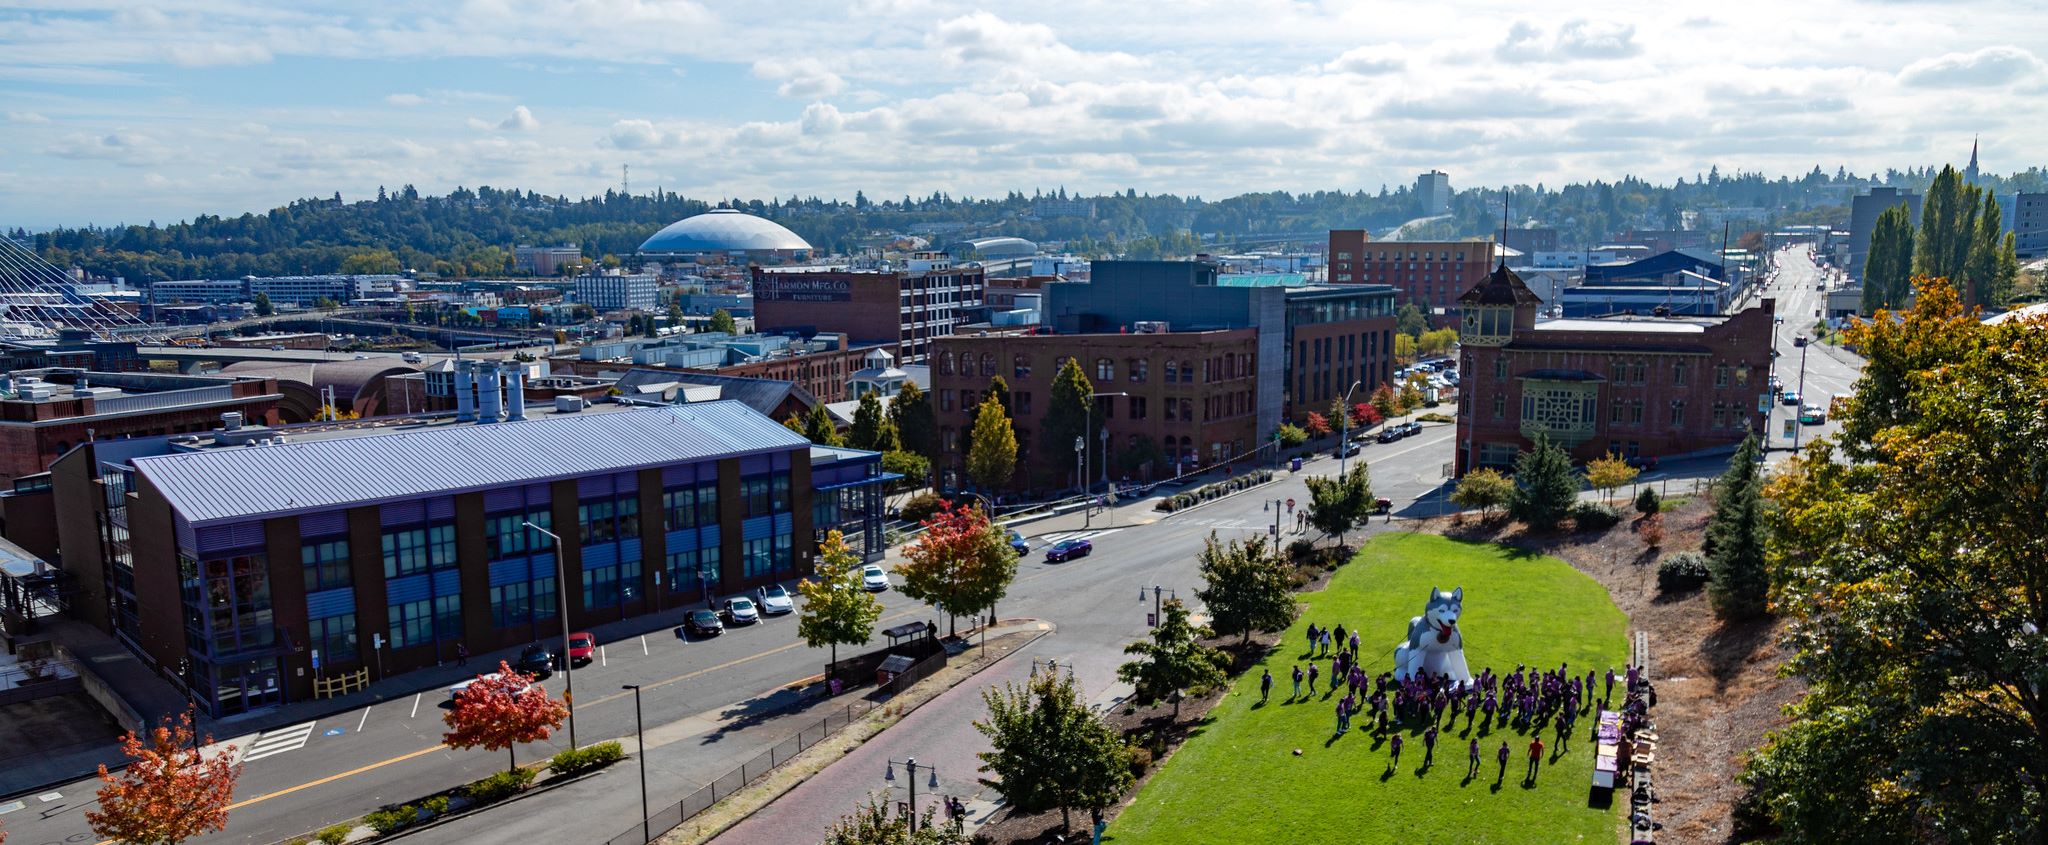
<point x="461" y="654"/>
<point x="1610" y="685"/>
<point x="1535" y="757"/>
<point x="1354" y="643"/>
<point x="1341" y="714"/>
<point x="1429" y="747"/>
<point x="1312" y="678"/>
<point x="1394" y="745"/>
<point x="1297" y="683"/>
<point x="1472" y="760"/>
<point x="1265" y="685"/>
<point x="1340" y="635"/>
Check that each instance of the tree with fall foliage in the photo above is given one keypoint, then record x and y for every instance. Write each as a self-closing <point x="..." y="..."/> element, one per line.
<point x="501" y="710"/>
<point x="1316" y="425"/>
<point x="169" y="792"/>
<point x="1607" y="472"/>
<point x="1386" y="402"/>
<point x="1484" y="489"/>
<point x="1364" y="416"/>
<point x="962" y="564"/>
<point x="992" y="447"/>
<point x="836" y="609"/>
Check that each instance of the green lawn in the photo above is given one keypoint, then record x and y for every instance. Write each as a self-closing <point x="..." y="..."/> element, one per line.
<point x="1239" y="781"/>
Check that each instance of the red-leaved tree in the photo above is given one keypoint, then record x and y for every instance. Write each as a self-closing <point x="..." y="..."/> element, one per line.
<point x="962" y="563"/>
<point x="1317" y="425"/>
<point x="169" y="792"/>
<point x="1364" y="415"/>
<point x="501" y="711"/>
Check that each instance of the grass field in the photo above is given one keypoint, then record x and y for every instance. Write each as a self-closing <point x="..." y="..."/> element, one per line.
<point x="1239" y="781"/>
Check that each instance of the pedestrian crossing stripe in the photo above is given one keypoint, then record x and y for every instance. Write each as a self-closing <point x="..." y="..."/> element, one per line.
<point x="241" y="745"/>
<point x="271" y="743"/>
<point x="1077" y="535"/>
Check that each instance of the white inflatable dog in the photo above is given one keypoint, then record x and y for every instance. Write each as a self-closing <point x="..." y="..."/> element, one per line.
<point x="1435" y="645"/>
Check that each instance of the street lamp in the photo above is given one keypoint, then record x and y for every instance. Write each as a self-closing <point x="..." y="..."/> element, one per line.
<point x="1798" y="424"/>
<point x="562" y="610"/>
<point x="1088" y="422"/>
<point x="910" y="767"/>
<point x="640" y="732"/>
<point x="1344" y="430"/>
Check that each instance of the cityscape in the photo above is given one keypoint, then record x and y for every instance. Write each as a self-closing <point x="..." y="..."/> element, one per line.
<point x="1655" y="410"/>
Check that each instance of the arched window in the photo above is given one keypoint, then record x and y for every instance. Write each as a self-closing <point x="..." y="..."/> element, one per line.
<point x="988" y="364"/>
<point x="1139" y="369"/>
<point x="1172" y="370"/>
<point x="1020" y="365"/>
<point x="1105" y="370"/>
<point x="945" y="363"/>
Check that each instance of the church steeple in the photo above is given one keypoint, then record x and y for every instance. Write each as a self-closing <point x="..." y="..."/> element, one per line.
<point x="1970" y="173"/>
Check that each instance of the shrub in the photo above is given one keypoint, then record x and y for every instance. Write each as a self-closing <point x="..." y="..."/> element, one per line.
<point x="335" y="834"/>
<point x="1301" y="550"/>
<point x="1435" y="417"/>
<point x="390" y="820"/>
<point x="578" y="760"/>
<point x="1140" y="758"/>
<point x="1595" y="516"/>
<point x="1646" y="502"/>
<point x="920" y="507"/>
<point x="1682" y="572"/>
<point x="1652" y="530"/>
<point x="499" y="786"/>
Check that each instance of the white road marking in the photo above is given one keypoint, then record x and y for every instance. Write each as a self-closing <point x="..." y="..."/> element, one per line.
<point x="1077" y="535"/>
<point x="415" y="706"/>
<point x="643" y="643"/>
<point x="273" y="743"/>
<point x="47" y="797"/>
<point x="363" y="721"/>
<point x="600" y="656"/>
<point x="241" y="744"/>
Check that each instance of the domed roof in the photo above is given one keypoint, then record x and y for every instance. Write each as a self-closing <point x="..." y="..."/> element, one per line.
<point x="723" y="230"/>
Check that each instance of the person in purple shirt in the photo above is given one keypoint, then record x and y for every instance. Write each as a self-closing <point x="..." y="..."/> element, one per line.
<point x="1354" y="643"/>
<point x="1394" y="745"/>
<point x="1610" y="685"/>
<point x="1472" y="760"/>
<point x="1502" y="756"/>
<point x="1429" y="747"/>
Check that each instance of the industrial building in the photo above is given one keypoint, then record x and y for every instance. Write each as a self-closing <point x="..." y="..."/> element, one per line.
<point x="901" y="310"/>
<point x="726" y="235"/>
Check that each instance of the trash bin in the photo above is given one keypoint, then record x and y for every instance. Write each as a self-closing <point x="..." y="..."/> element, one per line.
<point x="1294" y="465"/>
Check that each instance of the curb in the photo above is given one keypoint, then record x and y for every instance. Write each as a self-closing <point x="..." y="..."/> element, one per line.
<point x="551" y="785"/>
<point x="787" y="788"/>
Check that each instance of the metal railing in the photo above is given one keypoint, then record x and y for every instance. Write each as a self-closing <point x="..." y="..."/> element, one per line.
<point x="25" y="674"/>
<point x="674" y="815"/>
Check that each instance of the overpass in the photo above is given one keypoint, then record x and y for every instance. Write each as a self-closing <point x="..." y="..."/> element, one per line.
<point x="189" y="359"/>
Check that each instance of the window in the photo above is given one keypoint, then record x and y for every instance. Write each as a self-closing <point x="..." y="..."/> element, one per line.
<point x="778" y="492"/>
<point x="448" y="616"/>
<point x="690" y="507"/>
<point x="945" y="363"/>
<point x="1187" y="409"/>
<point x="946" y="438"/>
<point x="988" y="364"/>
<point x="601" y="587"/>
<point x="511" y="604"/>
<point x="1678" y="373"/>
<point x="1720" y="376"/>
<point x="629" y="516"/>
<point x="1614" y="412"/>
<point x="1500" y="367"/>
<point x="412" y="551"/>
<point x="1172" y="409"/>
<point x="1500" y="406"/>
<point x="506" y="535"/>
<point x="1137" y="407"/>
<point x="1720" y="415"/>
<point x="594" y="522"/>
<point x="695" y="569"/>
<point x="1105" y="369"/>
<point x="1172" y="370"/>
<point x="1677" y="412"/>
<point x="334" y="636"/>
<point x="1022" y="400"/>
<point x="1020" y="365"/>
<point x="326" y="564"/>
<point x="412" y="623"/>
<point x="757" y="558"/>
<point x="945" y="400"/>
<point x="1139" y="368"/>
<point x="1635" y="413"/>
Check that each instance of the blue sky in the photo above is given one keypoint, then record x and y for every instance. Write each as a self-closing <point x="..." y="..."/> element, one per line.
<point x="122" y="112"/>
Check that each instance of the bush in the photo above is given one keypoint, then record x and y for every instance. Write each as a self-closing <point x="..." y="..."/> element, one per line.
<point x="1646" y="502"/>
<point x="1435" y="417"/>
<point x="579" y="760"/>
<point x="435" y="806"/>
<point x="1652" y="530"/>
<point x="390" y="820"/>
<point x="1301" y="550"/>
<point x="1595" y="516"/>
<point x="1682" y="572"/>
<point x="335" y="834"/>
<point x="920" y="507"/>
<point x="1140" y="758"/>
<point x="499" y="786"/>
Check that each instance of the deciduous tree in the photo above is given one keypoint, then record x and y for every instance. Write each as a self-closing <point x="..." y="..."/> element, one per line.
<point x="992" y="455"/>
<point x="1173" y="661"/>
<point x="1336" y="505"/>
<point x="1316" y="425"/>
<point x="722" y="321"/>
<point x="917" y="424"/>
<point x="872" y="825"/>
<point x="1248" y="587"/>
<point x="1607" y="472"/>
<point x="1484" y="489"/>
<point x="819" y="429"/>
<point x="1545" y="486"/>
<point x="837" y="608"/>
<point x="962" y="564"/>
<point x="169" y="792"/>
<point x="868" y="418"/>
<point x="1385" y="402"/>
<point x="1364" y="415"/>
<point x="500" y="711"/>
<point x="263" y="306"/>
<point x="1048" y="750"/>
<point x="1409" y="320"/>
<point x="1290" y="435"/>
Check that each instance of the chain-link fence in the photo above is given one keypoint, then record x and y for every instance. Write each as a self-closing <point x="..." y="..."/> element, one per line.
<point x="672" y="816"/>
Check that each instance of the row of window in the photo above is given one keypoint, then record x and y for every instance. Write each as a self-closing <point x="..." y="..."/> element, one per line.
<point x="1137" y="370"/>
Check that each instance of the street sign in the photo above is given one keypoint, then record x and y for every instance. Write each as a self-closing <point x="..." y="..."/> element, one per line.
<point x="1151" y="620"/>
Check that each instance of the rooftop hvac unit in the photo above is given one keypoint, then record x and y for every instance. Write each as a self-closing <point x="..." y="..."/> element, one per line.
<point x="1151" y="327"/>
<point x="568" y="404"/>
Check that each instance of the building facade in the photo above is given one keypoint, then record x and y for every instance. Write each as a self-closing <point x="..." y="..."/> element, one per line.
<point x="1433" y="193"/>
<point x="1431" y="274"/>
<point x="1643" y="387"/>
<point x="45" y="413"/>
<point x="1190" y="398"/>
<point x="2029" y="220"/>
<point x="1863" y="212"/>
<point x="393" y="549"/>
<point x="619" y="291"/>
<point x="901" y="309"/>
<point x="545" y="260"/>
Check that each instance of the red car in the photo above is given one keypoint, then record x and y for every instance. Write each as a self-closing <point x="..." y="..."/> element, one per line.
<point x="582" y="648"/>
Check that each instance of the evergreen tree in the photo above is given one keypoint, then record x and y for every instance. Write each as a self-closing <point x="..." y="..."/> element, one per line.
<point x="1247" y="587"/>
<point x="1173" y="661"/>
<point x="263" y="306"/>
<point x="1738" y="582"/>
<point x="1067" y="418"/>
<point x="867" y="422"/>
<point x="1988" y="282"/>
<point x="1948" y="225"/>
<point x="1888" y="268"/>
<point x="992" y="457"/>
<point x="1647" y="502"/>
<point x="1409" y="320"/>
<point x="917" y="424"/>
<point x="1545" y="486"/>
<point x="818" y="427"/>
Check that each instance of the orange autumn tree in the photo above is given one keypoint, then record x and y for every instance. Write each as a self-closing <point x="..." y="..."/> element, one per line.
<point x="962" y="564"/>
<point x="169" y="792"/>
<point x="500" y="711"/>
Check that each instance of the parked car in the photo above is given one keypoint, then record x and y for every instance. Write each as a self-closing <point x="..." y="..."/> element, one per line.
<point x="582" y="648"/>
<point x="1790" y="397"/>
<point x="1382" y="505"/>
<point x="1017" y="542"/>
<point x="775" y="600"/>
<point x="1411" y="429"/>
<point x="1068" y="550"/>
<point x="1392" y="433"/>
<point x="702" y="623"/>
<point x="536" y="660"/>
<point x="457" y="690"/>
<point x="873" y="578"/>
<point x="1348" y="450"/>
<point x="740" y="611"/>
<point x="1812" y="415"/>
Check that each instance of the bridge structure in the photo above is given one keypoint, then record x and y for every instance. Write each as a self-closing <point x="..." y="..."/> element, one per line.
<point x="39" y="301"/>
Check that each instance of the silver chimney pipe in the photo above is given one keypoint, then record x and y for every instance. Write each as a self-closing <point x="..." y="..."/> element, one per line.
<point x="465" y="381"/>
<point x="489" y="395"/>
<point x="515" y="391"/>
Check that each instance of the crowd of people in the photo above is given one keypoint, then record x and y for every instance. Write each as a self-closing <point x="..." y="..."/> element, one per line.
<point x="1527" y="699"/>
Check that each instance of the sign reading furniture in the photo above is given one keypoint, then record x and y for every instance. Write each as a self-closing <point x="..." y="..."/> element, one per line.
<point x="778" y="288"/>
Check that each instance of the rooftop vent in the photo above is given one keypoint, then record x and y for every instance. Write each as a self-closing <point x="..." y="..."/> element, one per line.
<point x="231" y="421"/>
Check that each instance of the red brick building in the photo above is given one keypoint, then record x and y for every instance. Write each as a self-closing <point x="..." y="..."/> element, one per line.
<point x="901" y="309"/>
<point x="1431" y="274"/>
<point x="1192" y="395"/>
<point x="1638" y="386"/>
<point x="44" y="413"/>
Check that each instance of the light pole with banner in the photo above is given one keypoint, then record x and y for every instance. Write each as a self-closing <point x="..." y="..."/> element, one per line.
<point x="910" y="765"/>
<point x="1344" y="430"/>
<point x="562" y="610"/>
<point x="640" y="732"/>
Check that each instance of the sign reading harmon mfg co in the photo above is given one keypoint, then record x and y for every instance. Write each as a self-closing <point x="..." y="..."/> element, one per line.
<point x="775" y="287"/>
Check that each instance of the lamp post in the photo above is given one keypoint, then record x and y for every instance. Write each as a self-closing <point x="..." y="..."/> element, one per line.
<point x="1798" y="425"/>
<point x="562" y="610"/>
<point x="640" y="734"/>
<point x="910" y="766"/>
<point x="1344" y="430"/>
<point x="1088" y="422"/>
<point x="1081" y="473"/>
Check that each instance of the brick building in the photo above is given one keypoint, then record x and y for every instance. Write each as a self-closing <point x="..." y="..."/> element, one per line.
<point x="901" y="309"/>
<point x="1638" y="387"/>
<point x="44" y="413"/>
<point x="1193" y="396"/>
<point x="1431" y="274"/>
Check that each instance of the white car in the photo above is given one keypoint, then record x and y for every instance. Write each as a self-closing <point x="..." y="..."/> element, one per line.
<point x="873" y="578"/>
<point x="775" y="600"/>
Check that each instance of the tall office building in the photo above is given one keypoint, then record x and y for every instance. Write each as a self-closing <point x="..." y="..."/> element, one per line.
<point x="1433" y="193"/>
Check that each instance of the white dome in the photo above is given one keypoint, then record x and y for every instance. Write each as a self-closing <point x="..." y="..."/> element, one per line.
<point x="723" y="230"/>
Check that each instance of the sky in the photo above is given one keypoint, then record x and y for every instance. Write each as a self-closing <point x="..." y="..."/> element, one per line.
<point x="118" y="112"/>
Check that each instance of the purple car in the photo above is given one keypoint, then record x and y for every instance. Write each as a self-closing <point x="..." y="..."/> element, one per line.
<point x="1068" y="550"/>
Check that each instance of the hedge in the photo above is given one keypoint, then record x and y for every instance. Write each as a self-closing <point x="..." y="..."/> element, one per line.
<point x="1682" y="572"/>
<point x="578" y="760"/>
<point x="499" y="786"/>
<point x="1208" y="492"/>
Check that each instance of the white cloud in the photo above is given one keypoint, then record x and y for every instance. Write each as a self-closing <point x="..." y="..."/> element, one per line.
<point x="1988" y="67"/>
<point x="1370" y="60"/>
<point x="1575" y="40"/>
<point x="215" y="53"/>
<point x="802" y="78"/>
<point x="407" y="100"/>
<point x="26" y="117"/>
<point x="521" y="120"/>
<point x="635" y="134"/>
<point x="821" y="119"/>
<point x="127" y="148"/>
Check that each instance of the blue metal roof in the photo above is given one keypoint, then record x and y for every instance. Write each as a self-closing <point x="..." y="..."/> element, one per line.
<point x="231" y="484"/>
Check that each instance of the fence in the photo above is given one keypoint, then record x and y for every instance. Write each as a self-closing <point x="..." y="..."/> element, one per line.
<point x="674" y="815"/>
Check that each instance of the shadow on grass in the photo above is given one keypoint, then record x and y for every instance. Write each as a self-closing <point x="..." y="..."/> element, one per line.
<point x="1599" y="798"/>
<point x="1676" y="596"/>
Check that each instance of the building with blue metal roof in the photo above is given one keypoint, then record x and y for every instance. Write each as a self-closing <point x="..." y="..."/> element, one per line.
<point x="249" y="562"/>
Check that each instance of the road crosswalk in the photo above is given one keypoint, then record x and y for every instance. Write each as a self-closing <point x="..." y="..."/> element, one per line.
<point x="272" y="743"/>
<point x="1057" y="536"/>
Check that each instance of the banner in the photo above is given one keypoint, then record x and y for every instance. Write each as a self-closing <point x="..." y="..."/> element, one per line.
<point x="790" y="287"/>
